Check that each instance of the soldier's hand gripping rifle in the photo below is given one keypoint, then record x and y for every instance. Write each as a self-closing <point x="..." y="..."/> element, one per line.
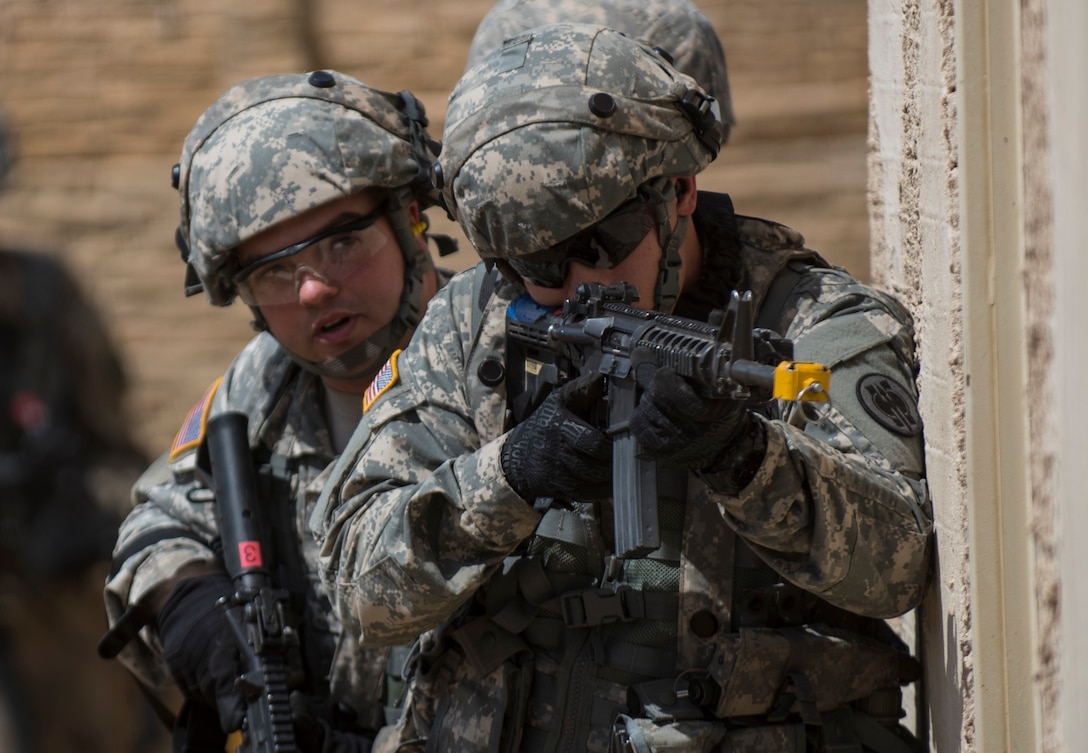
<point x="257" y="613"/>
<point x="725" y="358"/>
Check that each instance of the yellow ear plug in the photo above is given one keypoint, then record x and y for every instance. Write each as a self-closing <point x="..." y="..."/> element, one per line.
<point x="417" y="228"/>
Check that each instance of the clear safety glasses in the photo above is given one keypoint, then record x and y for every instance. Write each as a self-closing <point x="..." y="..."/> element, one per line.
<point x="331" y="256"/>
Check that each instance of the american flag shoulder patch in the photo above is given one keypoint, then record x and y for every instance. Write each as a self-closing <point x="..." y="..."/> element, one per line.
<point x="192" y="428"/>
<point x="383" y="380"/>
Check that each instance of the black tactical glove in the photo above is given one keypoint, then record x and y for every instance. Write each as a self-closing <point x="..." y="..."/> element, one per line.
<point x="556" y="452"/>
<point x="672" y="422"/>
<point x="316" y="735"/>
<point x="199" y="646"/>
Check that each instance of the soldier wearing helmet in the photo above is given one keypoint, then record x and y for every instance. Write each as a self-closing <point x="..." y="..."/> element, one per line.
<point x="302" y="196"/>
<point x="678" y="27"/>
<point x="571" y="156"/>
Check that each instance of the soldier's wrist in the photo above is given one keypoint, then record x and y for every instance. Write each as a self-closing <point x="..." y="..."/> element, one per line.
<point x="739" y="462"/>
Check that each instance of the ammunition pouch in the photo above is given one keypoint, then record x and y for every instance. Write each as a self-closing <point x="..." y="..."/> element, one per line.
<point x="481" y="682"/>
<point x="631" y="735"/>
<point x="776" y="690"/>
<point x="776" y="672"/>
<point x="841" y="731"/>
<point x="643" y="736"/>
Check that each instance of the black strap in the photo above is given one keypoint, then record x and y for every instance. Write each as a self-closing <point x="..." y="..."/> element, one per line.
<point x="774" y="303"/>
<point x="483" y="294"/>
<point x="124" y="630"/>
<point x="136" y="616"/>
<point x="444" y="243"/>
<point x="115" y="639"/>
<point x="145" y="540"/>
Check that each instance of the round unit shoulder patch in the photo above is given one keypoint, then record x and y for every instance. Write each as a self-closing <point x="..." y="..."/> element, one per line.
<point x="890" y="404"/>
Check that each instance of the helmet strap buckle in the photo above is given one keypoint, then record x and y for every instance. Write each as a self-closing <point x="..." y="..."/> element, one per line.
<point x="698" y="108"/>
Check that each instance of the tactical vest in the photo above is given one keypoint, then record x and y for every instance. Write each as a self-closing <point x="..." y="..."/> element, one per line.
<point x="698" y="646"/>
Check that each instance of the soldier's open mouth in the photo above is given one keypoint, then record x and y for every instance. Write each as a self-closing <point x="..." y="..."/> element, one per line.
<point x="335" y="325"/>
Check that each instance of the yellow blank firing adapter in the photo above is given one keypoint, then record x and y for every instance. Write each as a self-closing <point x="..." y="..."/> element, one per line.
<point x="802" y="381"/>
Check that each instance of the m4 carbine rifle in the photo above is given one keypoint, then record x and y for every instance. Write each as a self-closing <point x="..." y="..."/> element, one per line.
<point x="599" y="330"/>
<point x="257" y="613"/>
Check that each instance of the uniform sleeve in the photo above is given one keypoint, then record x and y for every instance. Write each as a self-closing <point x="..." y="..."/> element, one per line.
<point x="839" y="505"/>
<point x="172" y="525"/>
<point x="418" y="514"/>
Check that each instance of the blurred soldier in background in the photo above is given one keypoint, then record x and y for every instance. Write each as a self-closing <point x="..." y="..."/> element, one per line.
<point x="66" y="462"/>
<point x="676" y="26"/>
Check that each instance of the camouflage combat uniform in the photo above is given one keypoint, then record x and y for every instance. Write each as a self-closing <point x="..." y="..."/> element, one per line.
<point x="267" y="151"/>
<point x="174" y="521"/>
<point x="773" y="593"/>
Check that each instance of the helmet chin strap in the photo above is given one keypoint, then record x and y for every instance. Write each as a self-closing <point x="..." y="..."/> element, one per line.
<point x="370" y="353"/>
<point x="363" y="360"/>
<point x="667" y="289"/>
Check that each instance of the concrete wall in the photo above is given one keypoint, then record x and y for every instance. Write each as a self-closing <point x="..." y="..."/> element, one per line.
<point x="1046" y="403"/>
<point x="1066" y="99"/>
<point x="978" y="179"/>
<point x="913" y="189"/>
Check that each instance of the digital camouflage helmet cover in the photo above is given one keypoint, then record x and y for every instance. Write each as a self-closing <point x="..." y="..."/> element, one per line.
<point x="551" y="132"/>
<point x="274" y="147"/>
<point x="677" y="26"/>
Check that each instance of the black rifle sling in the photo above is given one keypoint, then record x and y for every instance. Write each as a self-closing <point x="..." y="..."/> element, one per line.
<point x="483" y="294"/>
<point x="275" y="475"/>
<point x="778" y="294"/>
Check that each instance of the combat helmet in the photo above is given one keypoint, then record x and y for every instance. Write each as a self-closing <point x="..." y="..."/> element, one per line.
<point x="550" y="133"/>
<point x="677" y="26"/>
<point x="273" y="147"/>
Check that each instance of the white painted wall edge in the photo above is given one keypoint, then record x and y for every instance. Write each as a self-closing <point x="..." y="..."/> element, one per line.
<point x="1068" y="104"/>
<point x="998" y="495"/>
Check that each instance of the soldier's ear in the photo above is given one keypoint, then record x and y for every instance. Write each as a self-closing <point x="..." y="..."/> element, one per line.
<point x="686" y="195"/>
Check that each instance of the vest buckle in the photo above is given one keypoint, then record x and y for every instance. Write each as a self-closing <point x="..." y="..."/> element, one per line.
<point x="592" y="607"/>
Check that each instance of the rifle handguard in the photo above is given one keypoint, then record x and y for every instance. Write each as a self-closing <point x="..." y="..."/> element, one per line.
<point x="256" y="613"/>
<point x="725" y="357"/>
